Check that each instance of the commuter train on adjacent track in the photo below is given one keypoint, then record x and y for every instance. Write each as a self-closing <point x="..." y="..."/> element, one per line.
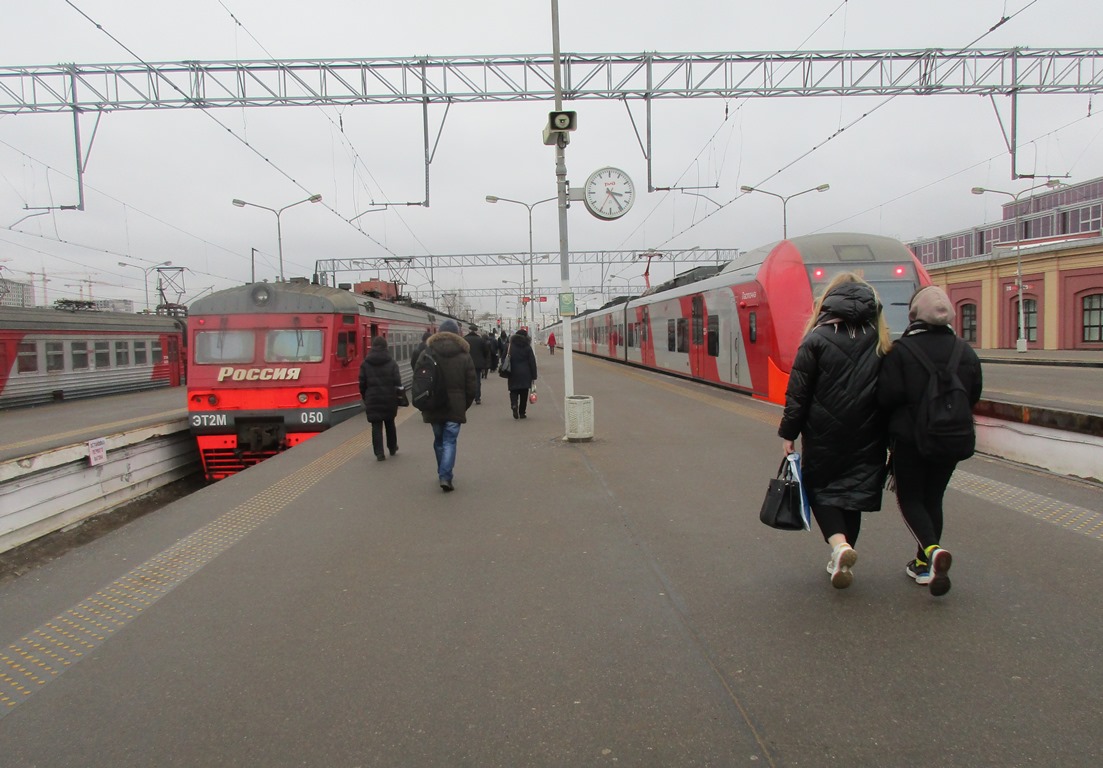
<point x="273" y="364"/>
<point x="739" y="326"/>
<point x="48" y="355"/>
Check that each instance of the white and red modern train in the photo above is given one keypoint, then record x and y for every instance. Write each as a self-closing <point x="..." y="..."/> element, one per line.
<point x="47" y="355"/>
<point x="739" y="326"/>
<point x="274" y="364"/>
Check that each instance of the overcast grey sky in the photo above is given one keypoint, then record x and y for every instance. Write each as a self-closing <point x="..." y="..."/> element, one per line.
<point x="159" y="183"/>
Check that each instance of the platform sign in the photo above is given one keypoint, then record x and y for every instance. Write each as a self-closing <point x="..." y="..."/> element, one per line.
<point x="566" y="304"/>
<point x="97" y="451"/>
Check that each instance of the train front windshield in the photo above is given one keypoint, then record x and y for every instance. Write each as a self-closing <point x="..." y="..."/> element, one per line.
<point x="894" y="283"/>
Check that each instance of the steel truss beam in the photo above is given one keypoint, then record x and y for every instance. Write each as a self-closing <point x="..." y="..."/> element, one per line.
<point x="326" y="267"/>
<point x="445" y="80"/>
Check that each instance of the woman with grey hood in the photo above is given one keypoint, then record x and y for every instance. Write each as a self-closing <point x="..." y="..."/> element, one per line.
<point x="921" y="482"/>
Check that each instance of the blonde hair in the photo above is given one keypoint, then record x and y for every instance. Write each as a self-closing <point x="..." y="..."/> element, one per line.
<point x="884" y="341"/>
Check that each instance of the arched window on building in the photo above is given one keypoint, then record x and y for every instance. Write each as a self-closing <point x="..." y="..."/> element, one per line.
<point x="1093" y="317"/>
<point x="1030" y="319"/>
<point x="968" y="314"/>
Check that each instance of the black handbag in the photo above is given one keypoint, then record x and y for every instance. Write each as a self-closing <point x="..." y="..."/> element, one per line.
<point x="505" y="368"/>
<point x="403" y="401"/>
<point x="781" y="509"/>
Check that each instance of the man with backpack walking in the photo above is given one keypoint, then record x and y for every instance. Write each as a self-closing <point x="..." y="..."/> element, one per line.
<point x="928" y="385"/>
<point x="443" y="389"/>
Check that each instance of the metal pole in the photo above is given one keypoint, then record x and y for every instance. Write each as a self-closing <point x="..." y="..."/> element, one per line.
<point x="1020" y="342"/>
<point x="561" y="190"/>
<point x="279" y="241"/>
<point x="252" y="265"/>
<point x="784" y="218"/>
<point x="145" y="281"/>
<point x="532" y="278"/>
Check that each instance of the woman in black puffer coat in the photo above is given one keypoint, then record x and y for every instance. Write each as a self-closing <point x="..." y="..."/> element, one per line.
<point x="831" y="403"/>
<point x="522" y="372"/>
<point x="380" y="382"/>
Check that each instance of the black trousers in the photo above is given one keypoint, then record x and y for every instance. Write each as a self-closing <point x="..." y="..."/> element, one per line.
<point x="920" y="486"/>
<point x="519" y="399"/>
<point x="377" y="436"/>
<point x="832" y="520"/>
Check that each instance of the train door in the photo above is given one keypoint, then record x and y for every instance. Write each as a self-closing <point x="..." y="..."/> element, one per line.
<point x="697" y="339"/>
<point x="174" y="361"/>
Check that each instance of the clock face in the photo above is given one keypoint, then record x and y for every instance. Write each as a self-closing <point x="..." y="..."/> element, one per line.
<point x="609" y="193"/>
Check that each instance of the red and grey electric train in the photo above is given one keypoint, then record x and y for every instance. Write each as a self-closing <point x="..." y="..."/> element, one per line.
<point x="47" y="355"/>
<point x="273" y="364"/>
<point x="740" y="326"/>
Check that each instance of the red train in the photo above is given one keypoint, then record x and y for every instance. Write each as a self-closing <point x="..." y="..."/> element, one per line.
<point x="48" y="355"/>
<point x="273" y="364"/>
<point x="739" y="326"/>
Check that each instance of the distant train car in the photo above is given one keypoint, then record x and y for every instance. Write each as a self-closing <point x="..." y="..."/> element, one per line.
<point x="740" y="326"/>
<point x="48" y="355"/>
<point x="274" y="364"/>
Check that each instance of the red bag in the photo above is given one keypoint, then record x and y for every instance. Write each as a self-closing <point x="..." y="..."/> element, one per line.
<point x="532" y="394"/>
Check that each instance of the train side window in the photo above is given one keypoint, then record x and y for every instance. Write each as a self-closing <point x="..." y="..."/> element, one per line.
<point x="752" y="327"/>
<point x="140" y="353"/>
<point x="714" y="336"/>
<point x="55" y="356"/>
<point x="122" y="353"/>
<point x="671" y="336"/>
<point x="102" y="353"/>
<point x="683" y="335"/>
<point x="157" y="353"/>
<point x="78" y="355"/>
<point x="27" y="357"/>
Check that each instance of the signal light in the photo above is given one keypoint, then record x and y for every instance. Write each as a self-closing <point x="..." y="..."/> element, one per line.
<point x="817" y="273"/>
<point x="899" y="271"/>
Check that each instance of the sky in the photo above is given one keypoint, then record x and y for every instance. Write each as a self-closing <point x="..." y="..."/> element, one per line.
<point x="159" y="184"/>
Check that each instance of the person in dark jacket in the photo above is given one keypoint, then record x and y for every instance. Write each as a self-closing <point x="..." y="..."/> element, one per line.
<point x="503" y="344"/>
<point x="522" y="372"/>
<point x="380" y="383"/>
<point x="490" y="345"/>
<point x="478" y="357"/>
<point x="453" y="356"/>
<point x="419" y="349"/>
<point x="831" y="403"/>
<point x="920" y="482"/>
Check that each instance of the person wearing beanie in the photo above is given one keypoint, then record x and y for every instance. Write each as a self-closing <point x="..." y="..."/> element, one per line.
<point x="419" y="349"/>
<point x="453" y="356"/>
<point x="380" y="385"/>
<point x="522" y="372"/>
<point x="831" y="404"/>
<point x="902" y="383"/>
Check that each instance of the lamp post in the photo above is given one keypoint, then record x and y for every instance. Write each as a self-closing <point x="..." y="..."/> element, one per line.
<point x="278" y="211"/>
<point x="145" y="274"/>
<point x="785" y="202"/>
<point x="1020" y="342"/>
<point x="528" y="207"/>
<point x="520" y="297"/>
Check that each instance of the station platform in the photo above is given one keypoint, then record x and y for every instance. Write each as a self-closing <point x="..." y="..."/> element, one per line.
<point x="613" y="602"/>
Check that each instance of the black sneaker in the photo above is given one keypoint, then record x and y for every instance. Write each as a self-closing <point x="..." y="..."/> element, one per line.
<point x="446" y="486"/>
<point x="941" y="560"/>
<point x="380" y="457"/>
<point x="921" y="572"/>
<point x="394" y="450"/>
<point x="515" y="412"/>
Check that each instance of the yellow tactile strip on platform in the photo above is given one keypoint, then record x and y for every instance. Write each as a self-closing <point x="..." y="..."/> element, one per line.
<point x="1070" y="516"/>
<point x="45" y="652"/>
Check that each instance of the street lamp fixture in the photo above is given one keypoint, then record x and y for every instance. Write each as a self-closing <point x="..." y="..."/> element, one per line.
<point x="145" y="274"/>
<point x="1020" y="342"/>
<point x="785" y="202"/>
<point x="278" y="211"/>
<point x="532" y="280"/>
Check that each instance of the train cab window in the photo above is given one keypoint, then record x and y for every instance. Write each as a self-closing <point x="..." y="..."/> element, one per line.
<point x="683" y="335"/>
<point x="140" y="353"/>
<point x="102" y="353"/>
<point x="671" y="336"/>
<point x="122" y="353"/>
<point x="714" y="336"/>
<point x="78" y="355"/>
<point x="293" y="345"/>
<point x="55" y="356"/>
<point x="26" y="359"/>
<point x="224" y="347"/>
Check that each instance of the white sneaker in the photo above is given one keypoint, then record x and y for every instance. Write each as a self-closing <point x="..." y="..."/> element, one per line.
<point x="843" y="558"/>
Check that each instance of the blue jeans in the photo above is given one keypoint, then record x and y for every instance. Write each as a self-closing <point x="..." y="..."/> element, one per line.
<point x="444" y="445"/>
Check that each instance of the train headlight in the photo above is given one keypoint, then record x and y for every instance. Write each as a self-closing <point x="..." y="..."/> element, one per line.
<point x="303" y="397"/>
<point x="212" y="399"/>
<point x="261" y="295"/>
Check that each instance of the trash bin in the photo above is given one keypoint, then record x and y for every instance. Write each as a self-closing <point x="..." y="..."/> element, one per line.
<point x="580" y="418"/>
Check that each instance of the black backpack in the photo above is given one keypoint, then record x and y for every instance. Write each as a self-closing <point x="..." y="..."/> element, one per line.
<point x="428" y="391"/>
<point x="944" y="429"/>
